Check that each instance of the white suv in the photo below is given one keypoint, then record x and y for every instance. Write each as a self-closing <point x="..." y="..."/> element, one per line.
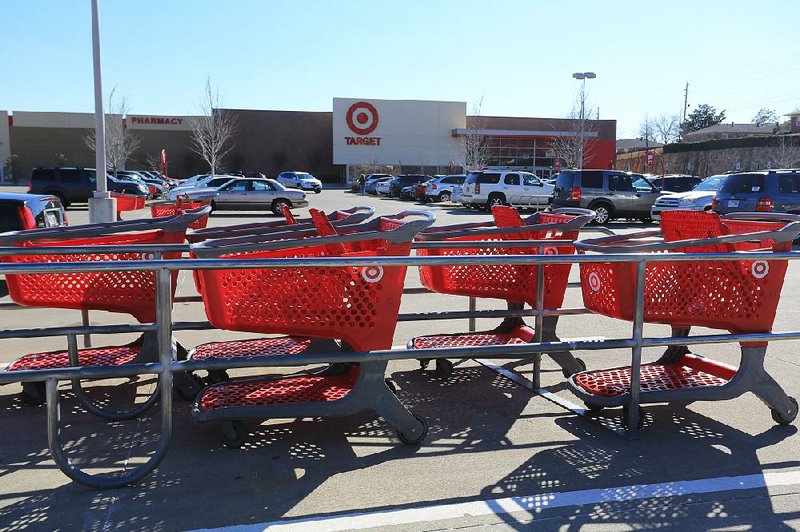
<point x="441" y="187"/>
<point x="505" y="187"/>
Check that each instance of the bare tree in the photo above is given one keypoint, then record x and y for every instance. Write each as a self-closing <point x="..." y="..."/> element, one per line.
<point x="212" y="129"/>
<point x="765" y="116"/>
<point x="153" y="161"/>
<point x="666" y="128"/>
<point x="572" y="145"/>
<point x="475" y="145"/>
<point x="120" y="143"/>
<point x="647" y="130"/>
<point x="785" y="153"/>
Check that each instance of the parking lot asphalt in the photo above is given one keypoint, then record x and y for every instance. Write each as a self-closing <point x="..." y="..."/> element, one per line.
<point x="496" y="455"/>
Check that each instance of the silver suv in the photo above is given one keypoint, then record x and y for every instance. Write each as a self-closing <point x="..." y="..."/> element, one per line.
<point x="505" y="187"/>
<point x="609" y="193"/>
<point x="440" y="188"/>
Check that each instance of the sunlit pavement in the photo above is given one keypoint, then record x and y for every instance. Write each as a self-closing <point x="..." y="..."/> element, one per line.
<point x="495" y="456"/>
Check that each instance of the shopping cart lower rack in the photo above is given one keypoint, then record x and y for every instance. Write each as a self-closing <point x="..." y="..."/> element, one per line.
<point x="128" y="292"/>
<point x="549" y="233"/>
<point x="740" y="296"/>
<point x="355" y="305"/>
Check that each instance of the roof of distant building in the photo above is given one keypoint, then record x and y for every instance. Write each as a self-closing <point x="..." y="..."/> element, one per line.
<point x="763" y="129"/>
<point x="626" y="145"/>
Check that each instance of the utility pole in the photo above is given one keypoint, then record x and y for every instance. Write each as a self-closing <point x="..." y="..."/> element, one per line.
<point x="685" y="101"/>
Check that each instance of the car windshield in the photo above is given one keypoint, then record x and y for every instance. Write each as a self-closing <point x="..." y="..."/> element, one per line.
<point x="305" y="177"/>
<point x="711" y="184"/>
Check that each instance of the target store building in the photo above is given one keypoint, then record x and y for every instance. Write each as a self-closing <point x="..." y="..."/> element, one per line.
<point x="410" y="136"/>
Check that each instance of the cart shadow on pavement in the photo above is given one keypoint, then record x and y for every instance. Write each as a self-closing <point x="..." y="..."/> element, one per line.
<point x="292" y="468"/>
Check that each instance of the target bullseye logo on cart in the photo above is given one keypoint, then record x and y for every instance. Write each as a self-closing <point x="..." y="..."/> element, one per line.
<point x="760" y="269"/>
<point x="362" y="118"/>
<point x="372" y="274"/>
<point x="550" y="251"/>
<point x="594" y="282"/>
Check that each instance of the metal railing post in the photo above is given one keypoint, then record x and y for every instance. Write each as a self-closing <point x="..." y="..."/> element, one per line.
<point x="536" y="378"/>
<point x="636" y="351"/>
<point x="473" y="306"/>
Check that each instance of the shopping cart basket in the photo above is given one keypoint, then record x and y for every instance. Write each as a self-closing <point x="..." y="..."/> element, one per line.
<point x="318" y="225"/>
<point x="738" y="296"/>
<point x="128" y="292"/>
<point x="356" y="305"/>
<point x="172" y="208"/>
<point x="127" y="202"/>
<point x="514" y="283"/>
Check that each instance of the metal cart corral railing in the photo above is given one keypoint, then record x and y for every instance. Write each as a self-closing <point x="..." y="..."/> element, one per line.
<point x="164" y="327"/>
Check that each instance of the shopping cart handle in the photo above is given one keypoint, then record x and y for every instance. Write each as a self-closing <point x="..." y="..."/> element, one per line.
<point x="178" y="222"/>
<point x="787" y="233"/>
<point x="762" y="216"/>
<point x="490" y="229"/>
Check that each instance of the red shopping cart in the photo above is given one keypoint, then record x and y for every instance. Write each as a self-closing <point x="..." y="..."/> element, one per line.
<point x="158" y="210"/>
<point x="128" y="292"/>
<point x="356" y="305"/>
<point x="127" y="202"/>
<point x="318" y="225"/>
<point x="739" y="296"/>
<point x="515" y="284"/>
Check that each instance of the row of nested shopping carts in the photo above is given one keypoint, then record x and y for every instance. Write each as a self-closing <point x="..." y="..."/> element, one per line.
<point x="325" y="293"/>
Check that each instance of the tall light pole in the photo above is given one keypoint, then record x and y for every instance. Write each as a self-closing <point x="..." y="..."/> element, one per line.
<point x="102" y="207"/>
<point x="583" y="76"/>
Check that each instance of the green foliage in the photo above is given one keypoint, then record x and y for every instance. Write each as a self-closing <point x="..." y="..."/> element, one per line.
<point x="61" y="159"/>
<point x="702" y="117"/>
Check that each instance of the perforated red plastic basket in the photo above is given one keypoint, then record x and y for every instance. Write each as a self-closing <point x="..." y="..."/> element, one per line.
<point x="128" y="202"/>
<point x="513" y="283"/>
<point x="129" y="292"/>
<point x="171" y="209"/>
<point x="738" y="296"/>
<point x="356" y="304"/>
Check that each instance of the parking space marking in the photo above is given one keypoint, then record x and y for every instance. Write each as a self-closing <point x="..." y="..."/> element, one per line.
<point x="533" y="504"/>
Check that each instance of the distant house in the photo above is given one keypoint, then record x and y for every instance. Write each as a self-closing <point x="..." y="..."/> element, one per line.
<point x="794" y="121"/>
<point x="729" y="131"/>
<point x="631" y="145"/>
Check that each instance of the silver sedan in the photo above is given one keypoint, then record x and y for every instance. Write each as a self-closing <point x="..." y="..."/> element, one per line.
<point x="251" y="194"/>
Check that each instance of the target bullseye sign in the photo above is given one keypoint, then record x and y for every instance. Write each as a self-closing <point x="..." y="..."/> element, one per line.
<point x="362" y="118"/>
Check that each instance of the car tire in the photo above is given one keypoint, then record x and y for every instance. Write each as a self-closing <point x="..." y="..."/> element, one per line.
<point x="495" y="199"/>
<point x="318" y="191"/>
<point x="213" y="206"/>
<point x="603" y="212"/>
<point x="276" y="205"/>
<point x="444" y="196"/>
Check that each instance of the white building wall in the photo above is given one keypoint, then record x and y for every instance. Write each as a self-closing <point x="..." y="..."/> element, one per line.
<point x="408" y="132"/>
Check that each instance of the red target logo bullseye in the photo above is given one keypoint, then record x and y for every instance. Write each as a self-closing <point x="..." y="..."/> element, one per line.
<point x="594" y="282"/>
<point x="362" y="118"/>
<point x="372" y="274"/>
<point x="760" y="269"/>
<point x="550" y="251"/>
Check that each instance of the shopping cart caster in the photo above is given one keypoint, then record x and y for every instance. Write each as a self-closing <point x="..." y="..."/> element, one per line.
<point x="581" y="365"/>
<point x="188" y="385"/>
<point x="391" y="385"/>
<point x="216" y="376"/>
<point x="423" y="363"/>
<point x="415" y="441"/>
<point x="593" y="408"/>
<point x="234" y="434"/>
<point x="444" y="368"/>
<point x="33" y="393"/>
<point x="787" y="419"/>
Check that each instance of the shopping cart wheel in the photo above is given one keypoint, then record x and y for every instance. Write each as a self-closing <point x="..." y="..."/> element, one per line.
<point x="593" y="408"/>
<point x="234" y="434"/>
<point x="415" y="441"/>
<point x="188" y="385"/>
<point x="581" y="365"/>
<point x="33" y="393"/>
<point x="444" y="368"/>
<point x="391" y="385"/>
<point x="423" y="363"/>
<point x="782" y="419"/>
<point x="216" y="375"/>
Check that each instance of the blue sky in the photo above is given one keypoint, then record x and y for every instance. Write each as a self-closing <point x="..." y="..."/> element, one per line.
<point x="516" y="55"/>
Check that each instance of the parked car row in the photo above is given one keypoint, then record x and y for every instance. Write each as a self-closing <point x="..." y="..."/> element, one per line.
<point x="230" y="192"/>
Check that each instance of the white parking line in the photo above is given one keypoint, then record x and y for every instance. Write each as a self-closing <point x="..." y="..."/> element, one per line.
<point x="535" y="504"/>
